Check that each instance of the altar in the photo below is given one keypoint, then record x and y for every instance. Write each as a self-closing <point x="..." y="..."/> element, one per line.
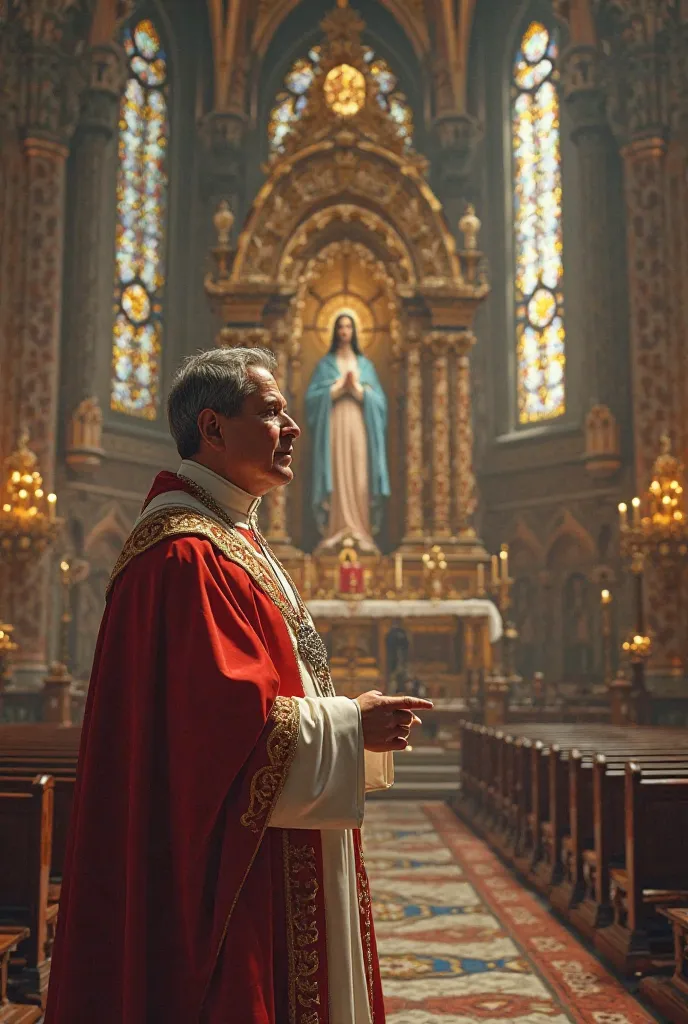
<point x="436" y="647"/>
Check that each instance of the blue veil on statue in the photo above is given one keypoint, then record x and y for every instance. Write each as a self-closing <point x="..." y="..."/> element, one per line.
<point x="350" y="477"/>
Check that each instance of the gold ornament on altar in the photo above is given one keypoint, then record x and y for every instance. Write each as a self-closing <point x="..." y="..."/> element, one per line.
<point x="658" y="526"/>
<point x="351" y="575"/>
<point x="345" y="90"/>
<point x="28" y="517"/>
<point x="434" y="568"/>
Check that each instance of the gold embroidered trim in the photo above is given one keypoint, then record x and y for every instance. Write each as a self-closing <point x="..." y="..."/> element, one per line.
<point x="179" y="521"/>
<point x="268" y="781"/>
<point x="302" y="887"/>
<point x="365" y="908"/>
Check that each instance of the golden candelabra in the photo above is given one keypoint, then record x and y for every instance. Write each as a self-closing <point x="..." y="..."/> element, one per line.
<point x="657" y="526"/>
<point x="655" y="529"/>
<point x="434" y="568"/>
<point x="28" y="517"/>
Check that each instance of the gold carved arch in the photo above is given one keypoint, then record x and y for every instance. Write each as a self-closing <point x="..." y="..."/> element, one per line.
<point x="346" y="218"/>
<point x="346" y="172"/>
<point x="373" y="305"/>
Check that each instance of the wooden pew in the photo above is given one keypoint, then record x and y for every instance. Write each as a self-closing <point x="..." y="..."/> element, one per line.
<point x="45" y="749"/>
<point x="568" y="833"/>
<point x="13" y="1013"/>
<point x="64" y="781"/>
<point x="26" y="808"/>
<point x="654" y="874"/>
<point x="670" y="995"/>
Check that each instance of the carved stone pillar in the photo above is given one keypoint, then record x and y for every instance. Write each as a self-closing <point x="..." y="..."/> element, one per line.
<point x="415" y="518"/>
<point x="438" y="342"/>
<point x="88" y="289"/>
<point x="640" y="112"/>
<point x="464" y="489"/>
<point x="601" y="219"/>
<point x="52" y="83"/>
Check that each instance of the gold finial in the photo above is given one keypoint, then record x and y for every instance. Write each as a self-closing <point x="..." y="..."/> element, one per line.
<point x="470" y="225"/>
<point x="342" y="4"/>
<point x="223" y="221"/>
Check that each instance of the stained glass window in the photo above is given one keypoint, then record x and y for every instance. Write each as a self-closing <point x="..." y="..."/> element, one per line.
<point x="539" y="271"/>
<point x="140" y="234"/>
<point x="292" y="100"/>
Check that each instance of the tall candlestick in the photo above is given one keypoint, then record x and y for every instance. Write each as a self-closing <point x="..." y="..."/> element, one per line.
<point x="623" y="515"/>
<point x="636" y="511"/>
<point x="495" y="569"/>
<point x="481" y="578"/>
<point x="504" y="558"/>
<point x="398" y="571"/>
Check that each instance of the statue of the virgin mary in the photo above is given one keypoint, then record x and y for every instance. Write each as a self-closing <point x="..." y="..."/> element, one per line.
<point x="346" y="410"/>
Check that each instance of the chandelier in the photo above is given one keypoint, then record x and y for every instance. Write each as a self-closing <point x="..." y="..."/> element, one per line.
<point x="658" y="526"/>
<point x="28" y="516"/>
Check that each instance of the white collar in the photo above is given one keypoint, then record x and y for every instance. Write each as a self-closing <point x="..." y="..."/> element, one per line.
<point x="236" y="502"/>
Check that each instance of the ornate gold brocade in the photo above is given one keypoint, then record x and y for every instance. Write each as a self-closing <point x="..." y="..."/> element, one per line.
<point x="302" y="887"/>
<point x="365" y="909"/>
<point x="268" y="781"/>
<point x="179" y="521"/>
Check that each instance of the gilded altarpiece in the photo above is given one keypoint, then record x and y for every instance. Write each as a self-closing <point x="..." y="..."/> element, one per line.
<point x="347" y="223"/>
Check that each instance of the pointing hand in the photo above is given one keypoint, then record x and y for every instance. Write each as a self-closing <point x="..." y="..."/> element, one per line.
<point x="387" y="721"/>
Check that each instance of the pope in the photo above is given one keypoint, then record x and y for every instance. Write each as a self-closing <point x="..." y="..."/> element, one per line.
<point x="214" y="868"/>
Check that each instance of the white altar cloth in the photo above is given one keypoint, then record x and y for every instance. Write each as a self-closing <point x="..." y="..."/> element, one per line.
<point x="377" y="609"/>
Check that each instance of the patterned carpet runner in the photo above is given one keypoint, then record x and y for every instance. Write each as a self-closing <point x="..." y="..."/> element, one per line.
<point x="462" y="941"/>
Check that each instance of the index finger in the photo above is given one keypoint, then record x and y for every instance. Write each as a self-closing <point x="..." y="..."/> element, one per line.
<point x="410" y="702"/>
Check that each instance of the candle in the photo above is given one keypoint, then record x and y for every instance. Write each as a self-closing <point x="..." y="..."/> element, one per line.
<point x="481" y="578"/>
<point x="495" y="569"/>
<point x="52" y="502"/>
<point x="308" y="574"/>
<point x="636" y="511"/>
<point x="504" y="557"/>
<point x="398" y="571"/>
<point x="623" y="515"/>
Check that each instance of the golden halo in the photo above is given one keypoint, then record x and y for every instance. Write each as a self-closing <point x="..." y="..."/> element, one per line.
<point x="344" y="305"/>
<point x="344" y="312"/>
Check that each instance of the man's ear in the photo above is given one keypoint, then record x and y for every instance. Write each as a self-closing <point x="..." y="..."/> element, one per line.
<point x="210" y="429"/>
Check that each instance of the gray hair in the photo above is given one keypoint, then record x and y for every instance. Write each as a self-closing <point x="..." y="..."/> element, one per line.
<point x="218" y="379"/>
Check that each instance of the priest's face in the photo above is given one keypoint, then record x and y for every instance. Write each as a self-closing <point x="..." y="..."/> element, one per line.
<point x="254" y="448"/>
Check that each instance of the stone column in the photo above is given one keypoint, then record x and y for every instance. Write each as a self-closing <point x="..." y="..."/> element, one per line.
<point x="464" y="489"/>
<point x="89" y="287"/>
<point x="415" y="518"/>
<point x="600" y="206"/>
<point x="52" y="83"/>
<point x="438" y="342"/>
<point x="639" y="114"/>
<point x="639" y="110"/>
